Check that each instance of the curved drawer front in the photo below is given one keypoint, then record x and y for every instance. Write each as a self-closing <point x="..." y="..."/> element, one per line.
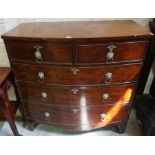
<point x="76" y="115"/>
<point x="39" y="52"/>
<point x="77" y="76"/>
<point x="77" y="96"/>
<point x="113" y="53"/>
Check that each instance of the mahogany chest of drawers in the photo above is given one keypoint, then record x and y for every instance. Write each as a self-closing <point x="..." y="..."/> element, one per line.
<point x="77" y="75"/>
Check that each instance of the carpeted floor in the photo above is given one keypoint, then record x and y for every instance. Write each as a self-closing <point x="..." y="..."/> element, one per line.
<point x="132" y="129"/>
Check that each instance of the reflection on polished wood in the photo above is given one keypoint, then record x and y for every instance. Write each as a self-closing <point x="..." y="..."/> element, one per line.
<point x="65" y="114"/>
<point x="77" y="75"/>
<point x="62" y="95"/>
<point x="115" y="110"/>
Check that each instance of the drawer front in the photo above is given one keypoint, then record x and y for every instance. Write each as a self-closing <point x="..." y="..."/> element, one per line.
<point x="39" y="52"/>
<point x="76" y="115"/>
<point x="77" y="96"/>
<point x="76" y="76"/>
<point x="103" y="53"/>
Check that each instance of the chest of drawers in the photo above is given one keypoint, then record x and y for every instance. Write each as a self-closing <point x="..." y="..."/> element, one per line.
<point x="77" y="75"/>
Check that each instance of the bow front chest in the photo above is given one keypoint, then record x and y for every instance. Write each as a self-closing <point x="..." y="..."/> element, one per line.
<point x="77" y="75"/>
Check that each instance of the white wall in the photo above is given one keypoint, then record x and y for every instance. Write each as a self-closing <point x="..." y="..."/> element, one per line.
<point x="5" y="25"/>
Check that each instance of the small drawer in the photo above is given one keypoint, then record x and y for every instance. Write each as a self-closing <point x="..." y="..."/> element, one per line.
<point x="77" y="76"/>
<point x="111" y="53"/>
<point x="76" y="96"/>
<point x="90" y="115"/>
<point x="39" y="52"/>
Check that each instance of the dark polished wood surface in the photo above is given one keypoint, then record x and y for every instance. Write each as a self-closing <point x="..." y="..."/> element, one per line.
<point x="51" y="53"/>
<point x="85" y="75"/>
<point x="4" y="73"/>
<point x="7" y="108"/>
<point x="77" y="30"/>
<point x="61" y="71"/>
<point x="124" y="52"/>
<point x="86" y="54"/>
<point x="76" y="115"/>
<point x="81" y="96"/>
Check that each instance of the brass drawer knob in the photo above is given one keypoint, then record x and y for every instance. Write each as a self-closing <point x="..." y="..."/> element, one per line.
<point x="74" y="71"/>
<point x="102" y="117"/>
<point x="105" y="97"/>
<point x="108" y="77"/>
<point x="37" y="53"/>
<point x="75" y="110"/>
<point x="41" y="77"/>
<point x="44" y="96"/>
<point x="110" y="56"/>
<point x="74" y="91"/>
<point x="110" y="53"/>
<point x="47" y="114"/>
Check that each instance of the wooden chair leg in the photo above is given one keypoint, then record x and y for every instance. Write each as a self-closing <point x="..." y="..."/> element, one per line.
<point x="5" y="105"/>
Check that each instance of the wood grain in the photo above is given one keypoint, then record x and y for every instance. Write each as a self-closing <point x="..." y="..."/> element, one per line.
<point x="85" y="75"/>
<point x="50" y="53"/>
<point x="4" y="73"/>
<point x="83" y="46"/>
<point x="124" y="52"/>
<point x="84" y="116"/>
<point x="63" y="95"/>
<point x="82" y="30"/>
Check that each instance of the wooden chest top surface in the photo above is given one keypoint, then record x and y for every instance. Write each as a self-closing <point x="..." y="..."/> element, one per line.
<point x="78" y="30"/>
<point x="82" y="74"/>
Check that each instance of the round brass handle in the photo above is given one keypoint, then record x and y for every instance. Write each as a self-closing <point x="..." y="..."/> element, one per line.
<point x="38" y="56"/>
<point x="110" y="54"/>
<point x="37" y="53"/>
<point x="47" y="114"/>
<point x="41" y="77"/>
<point x="105" y="97"/>
<point x="108" y="77"/>
<point x="102" y="117"/>
<point x="44" y="96"/>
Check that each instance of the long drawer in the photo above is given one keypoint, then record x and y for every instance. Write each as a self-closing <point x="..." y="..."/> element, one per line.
<point x="77" y="115"/>
<point x="45" y="52"/>
<point x="79" y="96"/>
<point x="110" y="53"/>
<point x="77" y="76"/>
